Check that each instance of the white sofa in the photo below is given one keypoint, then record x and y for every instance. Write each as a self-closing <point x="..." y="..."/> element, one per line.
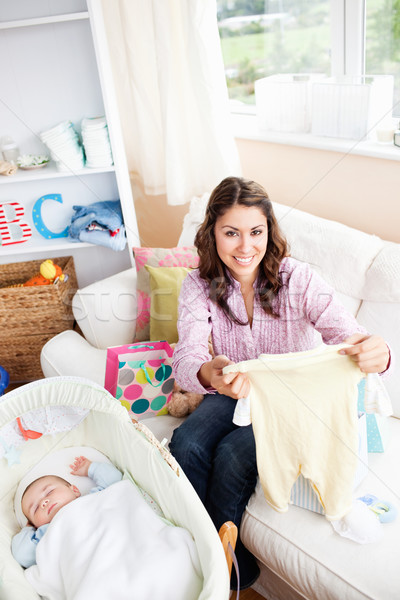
<point x="300" y="555"/>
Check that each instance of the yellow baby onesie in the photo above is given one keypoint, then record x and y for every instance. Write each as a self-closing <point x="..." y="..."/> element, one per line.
<point x="304" y="415"/>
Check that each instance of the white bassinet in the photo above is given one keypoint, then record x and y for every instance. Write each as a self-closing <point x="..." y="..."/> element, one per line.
<point x="71" y="411"/>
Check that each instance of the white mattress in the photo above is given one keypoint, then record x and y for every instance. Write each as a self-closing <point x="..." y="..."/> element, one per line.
<point x="302" y="549"/>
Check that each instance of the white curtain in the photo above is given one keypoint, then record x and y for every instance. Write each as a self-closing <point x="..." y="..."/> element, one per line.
<point x="169" y="75"/>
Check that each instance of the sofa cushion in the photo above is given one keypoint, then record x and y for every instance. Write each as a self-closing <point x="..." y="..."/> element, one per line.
<point x="68" y="353"/>
<point x="382" y="282"/>
<point x="350" y="303"/>
<point x="342" y="255"/>
<point x="106" y="310"/>
<point x="163" y="427"/>
<point x="156" y="257"/>
<point x="165" y="286"/>
<point x="193" y="219"/>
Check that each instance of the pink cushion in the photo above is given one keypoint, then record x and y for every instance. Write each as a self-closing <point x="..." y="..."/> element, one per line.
<point x="156" y="257"/>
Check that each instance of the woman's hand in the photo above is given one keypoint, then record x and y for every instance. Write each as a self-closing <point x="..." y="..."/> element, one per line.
<point x="235" y="385"/>
<point x="370" y="352"/>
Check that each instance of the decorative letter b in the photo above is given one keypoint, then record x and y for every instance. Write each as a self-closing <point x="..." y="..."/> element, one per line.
<point x="12" y="229"/>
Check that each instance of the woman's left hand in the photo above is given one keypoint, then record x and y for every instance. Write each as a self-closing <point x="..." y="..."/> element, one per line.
<point x="370" y="352"/>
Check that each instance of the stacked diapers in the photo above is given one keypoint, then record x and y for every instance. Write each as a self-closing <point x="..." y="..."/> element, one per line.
<point x="64" y="145"/>
<point x="96" y="143"/>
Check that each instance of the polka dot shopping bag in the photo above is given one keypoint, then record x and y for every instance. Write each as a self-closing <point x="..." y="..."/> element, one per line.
<point x="140" y="377"/>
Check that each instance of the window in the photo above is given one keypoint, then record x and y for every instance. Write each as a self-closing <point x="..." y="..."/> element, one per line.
<point x="260" y="38"/>
<point x="383" y="42"/>
<point x="266" y="37"/>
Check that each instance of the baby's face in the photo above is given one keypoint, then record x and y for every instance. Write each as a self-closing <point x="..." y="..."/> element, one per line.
<point x="44" y="498"/>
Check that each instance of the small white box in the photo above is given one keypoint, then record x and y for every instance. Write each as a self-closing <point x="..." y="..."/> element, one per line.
<point x="351" y="107"/>
<point x="283" y="102"/>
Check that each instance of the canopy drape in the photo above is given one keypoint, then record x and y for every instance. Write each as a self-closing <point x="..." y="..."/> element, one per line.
<point x="172" y="95"/>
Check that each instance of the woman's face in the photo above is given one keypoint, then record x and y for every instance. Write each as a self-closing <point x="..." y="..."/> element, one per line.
<point x="241" y="237"/>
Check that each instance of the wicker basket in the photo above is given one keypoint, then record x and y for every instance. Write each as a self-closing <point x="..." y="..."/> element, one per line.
<point x="30" y="316"/>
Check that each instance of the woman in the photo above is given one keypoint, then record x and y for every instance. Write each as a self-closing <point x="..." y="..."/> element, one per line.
<point x="251" y="298"/>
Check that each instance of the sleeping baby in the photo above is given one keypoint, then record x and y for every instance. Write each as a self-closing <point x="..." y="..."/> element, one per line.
<point x="70" y="549"/>
<point x="47" y="495"/>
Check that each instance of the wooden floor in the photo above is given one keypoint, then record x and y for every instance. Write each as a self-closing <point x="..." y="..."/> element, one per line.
<point x="249" y="594"/>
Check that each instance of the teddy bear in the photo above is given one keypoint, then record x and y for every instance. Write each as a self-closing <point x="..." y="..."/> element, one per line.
<point x="183" y="403"/>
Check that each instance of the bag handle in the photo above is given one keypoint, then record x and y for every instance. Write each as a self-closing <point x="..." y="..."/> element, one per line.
<point x="140" y="346"/>
<point x="143" y="367"/>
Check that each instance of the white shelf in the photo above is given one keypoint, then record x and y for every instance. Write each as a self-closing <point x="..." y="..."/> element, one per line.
<point x="47" y="246"/>
<point x="44" y="20"/>
<point x="51" y="172"/>
<point x="75" y="47"/>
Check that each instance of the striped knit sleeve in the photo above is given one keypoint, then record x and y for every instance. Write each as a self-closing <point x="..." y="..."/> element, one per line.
<point x="194" y="327"/>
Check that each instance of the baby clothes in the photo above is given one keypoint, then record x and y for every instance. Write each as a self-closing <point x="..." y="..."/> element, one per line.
<point x="304" y="415"/>
<point x="99" y="223"/>
<point x="376" y="400"/>
<point x="24" y="544"/>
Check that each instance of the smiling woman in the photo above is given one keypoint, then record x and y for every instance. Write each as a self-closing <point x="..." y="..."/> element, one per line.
<point x="241" y="236"/>
<point x="252" y="299"/>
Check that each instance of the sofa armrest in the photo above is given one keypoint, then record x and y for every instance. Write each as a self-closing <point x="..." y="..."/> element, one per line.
<point x="106" y="311"/>
<point x="68" y="353"/>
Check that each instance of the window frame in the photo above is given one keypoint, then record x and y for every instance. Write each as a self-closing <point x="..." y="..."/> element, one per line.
<point x="348" y="34"/>
<point x="348" y="22"/>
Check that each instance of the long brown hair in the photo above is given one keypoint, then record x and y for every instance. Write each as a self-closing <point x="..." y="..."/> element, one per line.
<point x="234" y="191"/>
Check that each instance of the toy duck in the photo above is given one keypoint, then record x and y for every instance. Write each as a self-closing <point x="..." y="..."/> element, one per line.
<point x="49" y="273"/>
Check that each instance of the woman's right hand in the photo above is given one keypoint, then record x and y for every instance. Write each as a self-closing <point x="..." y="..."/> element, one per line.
<point x="235" y="385"/>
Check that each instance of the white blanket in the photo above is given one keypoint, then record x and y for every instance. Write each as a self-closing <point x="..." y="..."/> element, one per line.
<point x="111" y="544"/>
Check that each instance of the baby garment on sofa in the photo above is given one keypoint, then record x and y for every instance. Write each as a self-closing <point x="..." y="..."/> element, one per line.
<point x="304" y="415"/>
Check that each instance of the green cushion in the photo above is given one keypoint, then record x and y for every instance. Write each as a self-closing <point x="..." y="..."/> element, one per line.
<point x="165" y="286"/>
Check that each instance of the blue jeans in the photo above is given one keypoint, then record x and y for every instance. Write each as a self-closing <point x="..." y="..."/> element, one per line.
<point x="219" y="459"/>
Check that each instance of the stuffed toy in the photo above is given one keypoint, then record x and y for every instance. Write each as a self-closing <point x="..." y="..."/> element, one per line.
<point x="49" y="273"/>
<point x="183" y="403"/>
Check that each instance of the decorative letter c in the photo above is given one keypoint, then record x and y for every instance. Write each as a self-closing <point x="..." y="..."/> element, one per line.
<point x="37" y="217"/>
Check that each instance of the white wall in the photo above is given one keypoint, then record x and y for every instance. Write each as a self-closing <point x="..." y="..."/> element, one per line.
<point x="358" y="191"/>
